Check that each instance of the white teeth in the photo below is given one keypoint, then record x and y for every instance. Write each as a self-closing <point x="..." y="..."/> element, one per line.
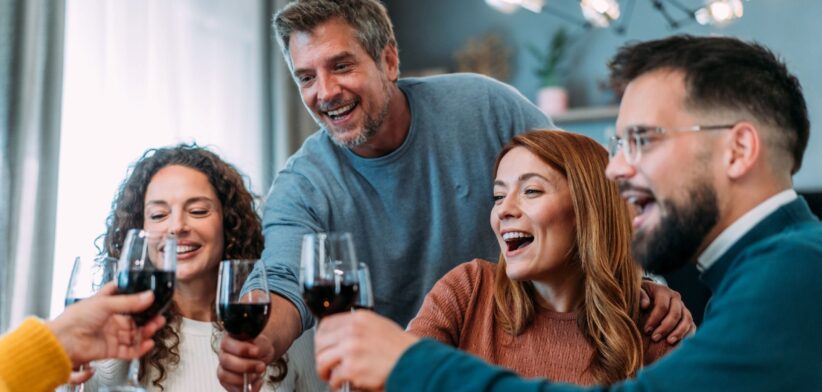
<point x="186" y="248"/>
<point x="515" y="234"/>
<point x="341" y="110"/>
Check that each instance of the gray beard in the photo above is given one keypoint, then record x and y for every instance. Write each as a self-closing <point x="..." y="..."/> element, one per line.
<point x="680" y="232"/>
<point x="371" y="125"/>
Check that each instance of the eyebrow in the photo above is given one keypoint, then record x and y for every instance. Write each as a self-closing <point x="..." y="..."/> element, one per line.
<point x="523" y="178"/>
<point x="335" y="59"/>
<point x="189" y="201"/>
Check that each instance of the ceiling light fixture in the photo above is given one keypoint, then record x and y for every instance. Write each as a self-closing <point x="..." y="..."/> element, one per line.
<point x="606" y="13"/>
<point x="600" y="13"/>
<point x="509" y="6"/>
<point x="719" y="12"/>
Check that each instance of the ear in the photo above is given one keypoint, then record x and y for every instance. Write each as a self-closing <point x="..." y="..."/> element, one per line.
<point x="391" y="61"/>
<point x="744" y="149"/>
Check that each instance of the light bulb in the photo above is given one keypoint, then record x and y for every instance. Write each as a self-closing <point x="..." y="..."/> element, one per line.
<point x="719" y="12"/>
<point x="600" y="13"/>
<point x="506" y="6"/>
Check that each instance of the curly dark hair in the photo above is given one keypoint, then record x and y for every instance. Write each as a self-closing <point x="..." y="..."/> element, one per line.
<point x="242" y="232"/>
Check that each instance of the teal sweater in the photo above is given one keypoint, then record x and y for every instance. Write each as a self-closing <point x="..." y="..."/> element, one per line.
<point x="760" y="331"/>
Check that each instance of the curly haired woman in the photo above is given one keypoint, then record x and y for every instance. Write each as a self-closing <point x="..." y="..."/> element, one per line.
<point x="191" y="192"/>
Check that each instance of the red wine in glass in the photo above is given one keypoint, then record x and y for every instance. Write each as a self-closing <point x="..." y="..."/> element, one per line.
<point x="148" y="261"/>
<point x="325" y="297"/>
<point x="160" y="282"/>
<point x="243" y="321"/>
<point x="243" y="301"/>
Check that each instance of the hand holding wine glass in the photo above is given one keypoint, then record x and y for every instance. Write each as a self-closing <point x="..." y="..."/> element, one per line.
<point x="88" y="275"/>
<point x="242" y="311"/>
<point x="148" y="261"/>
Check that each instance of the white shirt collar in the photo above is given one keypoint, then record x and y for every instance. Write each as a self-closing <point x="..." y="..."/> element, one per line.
<point x="745" y="223"/>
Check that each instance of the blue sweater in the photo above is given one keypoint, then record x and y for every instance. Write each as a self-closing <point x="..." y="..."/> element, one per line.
<point x="760" y="331"/>
<point x="415" y="213"/>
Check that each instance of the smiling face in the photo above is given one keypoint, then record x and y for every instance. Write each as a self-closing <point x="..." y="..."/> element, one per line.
<point x="533" y="217"/>
<point x="344" y="89"/>
<point x="181" y="200"/>
<point x="671" y="186"/>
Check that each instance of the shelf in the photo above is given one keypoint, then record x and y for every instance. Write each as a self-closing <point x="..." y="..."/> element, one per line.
<point x="587" y="114"/>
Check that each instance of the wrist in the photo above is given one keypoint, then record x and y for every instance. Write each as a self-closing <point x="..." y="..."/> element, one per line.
<point x="60" y="329"/>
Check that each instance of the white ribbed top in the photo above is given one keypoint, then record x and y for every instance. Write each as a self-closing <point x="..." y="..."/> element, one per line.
<point x="197" y="370"/>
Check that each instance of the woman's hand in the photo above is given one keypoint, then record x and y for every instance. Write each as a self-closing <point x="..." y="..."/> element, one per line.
<point x="99" y="327"/>
<point x="238" y="357"/>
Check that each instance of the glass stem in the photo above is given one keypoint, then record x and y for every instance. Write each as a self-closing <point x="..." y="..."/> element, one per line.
<point x="134" y="366"/>
<point x="246" y="385"/>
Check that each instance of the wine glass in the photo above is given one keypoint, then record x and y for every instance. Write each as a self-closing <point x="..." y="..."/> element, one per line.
<point x="241" y="310"/>
<point x="365" y="298"/>
<point x="148" y="261"/>
<point x="88" y="275"/>
<point x="328" y="274"/>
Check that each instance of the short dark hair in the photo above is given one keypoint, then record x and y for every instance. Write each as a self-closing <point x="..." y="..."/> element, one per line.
<point x="725" y="73"/>
<point x="368" y="17"/>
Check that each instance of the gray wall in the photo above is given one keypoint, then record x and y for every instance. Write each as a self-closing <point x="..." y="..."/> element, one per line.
<point x="429" y="31"/>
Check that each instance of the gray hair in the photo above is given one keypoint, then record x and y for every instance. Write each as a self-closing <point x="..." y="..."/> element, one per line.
<point x="368" y="17"/>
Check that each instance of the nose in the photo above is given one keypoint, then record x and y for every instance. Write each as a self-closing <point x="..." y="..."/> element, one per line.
<point x="508" y="207"/>
<point x="327" y="88"/>
<point x="618" y="168"/>
<point x="177" y="224"/>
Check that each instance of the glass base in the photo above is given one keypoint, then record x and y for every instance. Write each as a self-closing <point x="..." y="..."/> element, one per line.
<point x="123" y="388"/>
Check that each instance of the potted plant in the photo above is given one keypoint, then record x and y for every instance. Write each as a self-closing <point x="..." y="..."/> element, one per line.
<point x="552" y="97"/>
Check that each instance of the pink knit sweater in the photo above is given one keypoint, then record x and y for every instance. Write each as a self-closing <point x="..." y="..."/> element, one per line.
<point x="459" y="311"/>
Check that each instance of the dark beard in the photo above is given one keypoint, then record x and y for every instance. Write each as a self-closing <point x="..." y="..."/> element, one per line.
<point x="680" y="233"/>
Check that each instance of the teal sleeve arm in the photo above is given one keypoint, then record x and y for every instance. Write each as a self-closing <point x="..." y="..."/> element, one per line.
<point x="428" y="366"/>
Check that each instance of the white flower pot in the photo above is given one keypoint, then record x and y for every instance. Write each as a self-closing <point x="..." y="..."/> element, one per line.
<point x="552" y="100"/>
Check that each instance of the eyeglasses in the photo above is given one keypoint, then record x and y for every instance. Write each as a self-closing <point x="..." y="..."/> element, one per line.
<point x="636" y="137"/>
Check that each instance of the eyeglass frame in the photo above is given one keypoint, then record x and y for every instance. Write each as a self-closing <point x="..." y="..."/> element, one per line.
<point x="639" y="132"/>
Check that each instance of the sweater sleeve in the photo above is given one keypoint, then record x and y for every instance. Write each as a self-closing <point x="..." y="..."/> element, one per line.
<point x="31" y="359"/>
<point x="445" y="308"/>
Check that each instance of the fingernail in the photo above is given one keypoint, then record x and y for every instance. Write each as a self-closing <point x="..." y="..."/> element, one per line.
<point x="672" y="339"/>
<point x="260" y="368"/>
<point x="656" y="337"/>
<point x="648" y="330"/>
<point x="145" y="294"/>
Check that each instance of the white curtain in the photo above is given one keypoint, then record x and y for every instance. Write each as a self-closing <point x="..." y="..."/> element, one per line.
<point x="149" y="73"/>
<point x="31" y="42"/>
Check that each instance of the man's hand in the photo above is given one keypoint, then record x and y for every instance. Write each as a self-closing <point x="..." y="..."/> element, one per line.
<point x="360" y="347"/>
<point x="252" y="357"/>
<point x="99" y="327"/>
<point x="669" y="317"/>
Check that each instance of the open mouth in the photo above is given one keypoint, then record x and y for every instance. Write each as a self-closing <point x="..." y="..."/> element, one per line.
<point x="643" y="203"/>
<point x="341" y="111"/>
<point x="517" y="240"/>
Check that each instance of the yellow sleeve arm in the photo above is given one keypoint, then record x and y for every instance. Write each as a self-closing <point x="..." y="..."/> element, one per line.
<point x="31" y="359"/>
